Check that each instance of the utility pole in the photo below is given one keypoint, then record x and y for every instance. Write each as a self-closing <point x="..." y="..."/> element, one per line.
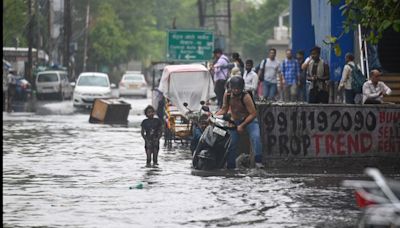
<point x="28" y="70"/>
<point x="37" y="31"/>
<point x="50" y="26"/>
<point x="201" y="9"/>
<point x="86" y="36"/>
<point x="221" y="20"/>
<point x="229" y="25"/>
<point x="67" y="34"/>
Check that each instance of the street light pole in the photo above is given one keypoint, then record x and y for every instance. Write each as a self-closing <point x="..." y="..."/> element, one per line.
<point x="86" y="36"/>
<point x="67" y="35"/>
<point x="30" y="39"/>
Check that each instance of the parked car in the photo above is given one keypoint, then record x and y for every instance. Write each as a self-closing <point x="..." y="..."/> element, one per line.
<point x="53" y="83"/>
<point x="89" y="86"/>
<point x="23" y="89"/>
<point x="133" y="83"/>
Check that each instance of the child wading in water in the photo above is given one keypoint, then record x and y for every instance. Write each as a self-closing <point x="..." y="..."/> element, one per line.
<point x="151" y="133"/>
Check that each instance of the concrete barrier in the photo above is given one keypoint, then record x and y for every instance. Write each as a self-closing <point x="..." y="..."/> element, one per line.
<point x="324" y="136"/>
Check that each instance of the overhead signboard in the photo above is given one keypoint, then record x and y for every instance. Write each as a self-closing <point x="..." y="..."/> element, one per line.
<point x="190" y="45"/>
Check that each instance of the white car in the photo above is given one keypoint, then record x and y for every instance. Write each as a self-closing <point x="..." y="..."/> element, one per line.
<point x="50" y="83"/>
<point x="89" y="86"/>
<point x="133" y="84"/>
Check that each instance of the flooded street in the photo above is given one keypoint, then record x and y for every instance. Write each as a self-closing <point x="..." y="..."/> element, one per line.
<point x="61" y="171"/>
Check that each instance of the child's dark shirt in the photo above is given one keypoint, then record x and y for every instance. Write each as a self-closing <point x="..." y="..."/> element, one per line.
<point x="152" y="129"/>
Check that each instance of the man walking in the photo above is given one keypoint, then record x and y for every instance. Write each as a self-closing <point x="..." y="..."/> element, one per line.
<point x="290" y="77"/>
<point x="302" y="86"/>
<point x="269" y="73"/>
<point x="12" y="88"/>
<point x="220" y="68"/>
<point x="345" y="81"/>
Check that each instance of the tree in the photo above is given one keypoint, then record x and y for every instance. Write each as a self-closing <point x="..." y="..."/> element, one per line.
<point x="254" y="27"/>
<point x="375" y="16"/>
<point x="15" y="23"/>
<point x="108" y="43"/>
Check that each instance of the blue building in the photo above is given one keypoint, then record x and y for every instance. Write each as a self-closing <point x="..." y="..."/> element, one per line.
<point x="313" y="20"/>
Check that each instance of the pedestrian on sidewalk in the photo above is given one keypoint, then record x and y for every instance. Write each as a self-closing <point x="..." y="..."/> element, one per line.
<point x="11" y="88"/>
<point x="151" y="133"/>
<point x="318" y="74"/>
<point x="238" y="62"/>
<point x="268" y="74"/>
<point x="250" y="79"/>
<point x="302" y="88"/>
<point x="221" y="71"/>
<point x="290" y="77"/>
<point x="345" y="81"/>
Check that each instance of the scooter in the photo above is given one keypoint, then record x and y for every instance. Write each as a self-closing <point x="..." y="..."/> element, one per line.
<point x="211" y="151"/>
<point x="199" y="121"/>
<point x="379" y="200"/>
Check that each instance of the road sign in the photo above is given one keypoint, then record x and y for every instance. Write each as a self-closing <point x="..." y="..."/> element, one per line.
<point x="190" y="45"/>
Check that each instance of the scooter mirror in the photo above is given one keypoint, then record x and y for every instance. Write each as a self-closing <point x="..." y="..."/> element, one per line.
<point x="227" y="117"/>
<point x="202" y="102"/>
<point x="205" y="108"/>
<point x="185" y="104"/>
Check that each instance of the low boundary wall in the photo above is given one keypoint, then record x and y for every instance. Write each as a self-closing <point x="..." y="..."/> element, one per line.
<point x="330" y="136"/>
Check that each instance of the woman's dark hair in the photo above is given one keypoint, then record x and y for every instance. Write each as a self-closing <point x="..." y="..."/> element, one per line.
<point x="235" y="55"/>
<point x="148" y="108"/>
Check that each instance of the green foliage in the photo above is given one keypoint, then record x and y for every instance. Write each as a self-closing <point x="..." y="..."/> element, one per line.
<point x="15" y="23"/>
<point x="141" y="27"/>
<point x="108" y="45"/>
<point x="252" y="28"/>
<point x="375" y="16"/>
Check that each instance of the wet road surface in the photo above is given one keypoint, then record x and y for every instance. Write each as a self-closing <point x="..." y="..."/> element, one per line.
<point x="61" y="171"/>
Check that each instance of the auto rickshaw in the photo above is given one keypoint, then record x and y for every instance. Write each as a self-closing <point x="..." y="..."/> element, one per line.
<point x="179" y="84"/>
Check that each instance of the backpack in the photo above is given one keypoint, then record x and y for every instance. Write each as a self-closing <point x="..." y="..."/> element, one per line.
<point x="242" y="99"/>
<point x="261" y="77"/>
<point x="357" y="79"/>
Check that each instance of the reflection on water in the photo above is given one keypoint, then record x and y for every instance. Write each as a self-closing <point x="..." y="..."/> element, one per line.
<point x="61" y="171"/>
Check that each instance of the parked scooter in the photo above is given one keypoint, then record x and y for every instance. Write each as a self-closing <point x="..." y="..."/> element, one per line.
<point x="211" y="151"/>
<point x="379" y="200"/>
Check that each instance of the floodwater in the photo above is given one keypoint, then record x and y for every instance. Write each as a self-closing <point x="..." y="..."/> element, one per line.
<point x="61" y="171"/>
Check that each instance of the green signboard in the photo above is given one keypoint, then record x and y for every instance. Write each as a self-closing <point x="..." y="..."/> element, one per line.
<point x="190" y="45"/>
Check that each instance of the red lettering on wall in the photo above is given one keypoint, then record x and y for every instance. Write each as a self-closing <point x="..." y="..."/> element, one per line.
<point x="340" y="144"/>
<point x="329" y="144"/>
<point x="389" y="117"/>
<point x="353" y="144"/>
<point x="316" y="138"/>
<point x="366" y="142"/>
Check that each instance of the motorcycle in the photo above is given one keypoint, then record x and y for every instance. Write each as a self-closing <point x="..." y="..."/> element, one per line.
<point x="378" y="199"/>
<point x="211" y="151"/>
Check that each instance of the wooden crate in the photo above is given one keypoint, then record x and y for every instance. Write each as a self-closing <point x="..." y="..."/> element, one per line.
<point x="109" y="111"/>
